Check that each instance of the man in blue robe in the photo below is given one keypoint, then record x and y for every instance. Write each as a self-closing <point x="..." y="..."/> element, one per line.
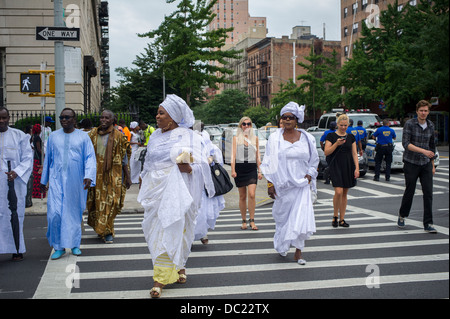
<point x="70" y="168"/>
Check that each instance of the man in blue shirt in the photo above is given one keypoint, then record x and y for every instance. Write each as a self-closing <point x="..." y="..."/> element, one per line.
<point x="384" y="148"/>
<point x="354" y="131"/>
<point x="362" y="134"/>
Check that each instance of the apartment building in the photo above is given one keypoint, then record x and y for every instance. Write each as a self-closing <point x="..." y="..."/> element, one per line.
<point x="274" y="61"/>
<point x="86" y="61"/>
<point x="235" y="14"/>
<point x="356" y="12"/>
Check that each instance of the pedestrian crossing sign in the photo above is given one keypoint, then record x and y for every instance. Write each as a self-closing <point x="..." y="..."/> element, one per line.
<point x="30" y="82"/>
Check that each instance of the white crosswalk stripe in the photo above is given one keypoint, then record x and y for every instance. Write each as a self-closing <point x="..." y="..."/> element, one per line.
<point x="240" y="263"/>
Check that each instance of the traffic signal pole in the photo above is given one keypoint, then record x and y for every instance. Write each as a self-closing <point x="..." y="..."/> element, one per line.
<point x="60" y="98"/>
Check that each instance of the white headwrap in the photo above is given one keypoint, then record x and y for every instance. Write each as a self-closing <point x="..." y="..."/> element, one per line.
<point x="133" y="125"/>
<point x="294" y="108"/>
<point x="178" y="110"/>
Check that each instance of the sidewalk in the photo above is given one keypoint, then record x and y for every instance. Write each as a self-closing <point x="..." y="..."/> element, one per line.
<point x="131" y="205"/>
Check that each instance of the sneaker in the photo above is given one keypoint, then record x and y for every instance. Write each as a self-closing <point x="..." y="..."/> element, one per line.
<point x="430" y="229"/>
<point x="401" y="222"/>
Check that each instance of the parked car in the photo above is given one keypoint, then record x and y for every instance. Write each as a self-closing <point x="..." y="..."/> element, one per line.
<point x="227" y="140"/>
<point x="323" y="162"/>
<point x="265" y="131"/>
<point x="397" y="154"/>
<point x="215" y="134"/>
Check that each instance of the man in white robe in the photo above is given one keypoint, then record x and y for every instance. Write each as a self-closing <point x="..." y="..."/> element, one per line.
<point x="14" y="147"/>
<point x="70" y="168"/>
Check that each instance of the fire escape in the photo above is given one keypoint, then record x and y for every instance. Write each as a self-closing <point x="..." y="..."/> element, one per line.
<point x="104" y="51"/>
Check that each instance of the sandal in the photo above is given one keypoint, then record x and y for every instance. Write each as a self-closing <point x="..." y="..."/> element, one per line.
<point x="156" y="292"/>
<point x="244" y="222"/>
<point x="17" y="257"/>
<point x="334" y="223"/>
<point x="342" y="223"/>
<point x="254" y="225"/>
<point x="182" y="278"/>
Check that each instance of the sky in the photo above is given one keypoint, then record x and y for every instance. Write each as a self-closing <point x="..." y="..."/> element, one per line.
<point x="128" y="18"/>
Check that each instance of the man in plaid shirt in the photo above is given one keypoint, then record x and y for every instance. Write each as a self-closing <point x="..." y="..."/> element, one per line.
<point x="418" y="159"/>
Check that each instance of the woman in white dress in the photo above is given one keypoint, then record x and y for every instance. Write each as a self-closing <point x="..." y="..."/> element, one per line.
<point x="290" y="167"/>
<point x="174" y="175"/>
<point x="135" y="164"/>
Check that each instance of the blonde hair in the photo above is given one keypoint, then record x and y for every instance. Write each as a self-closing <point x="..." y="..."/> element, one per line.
<point x="240" y="132"/>
<point x="342" y="117"/>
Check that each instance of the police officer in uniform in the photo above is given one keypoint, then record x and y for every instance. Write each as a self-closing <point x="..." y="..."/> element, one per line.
<point x="384" y="148"/>
<point x="362" y="134"/>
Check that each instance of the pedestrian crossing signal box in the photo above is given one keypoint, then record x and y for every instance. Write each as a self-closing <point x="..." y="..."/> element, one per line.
<point x="30" y="82"/>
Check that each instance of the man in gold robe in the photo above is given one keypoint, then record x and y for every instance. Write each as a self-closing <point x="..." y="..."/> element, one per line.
<point x="106" y="199"/>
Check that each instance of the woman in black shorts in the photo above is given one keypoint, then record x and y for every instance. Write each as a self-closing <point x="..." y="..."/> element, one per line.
<point x="340" y="149"/>
<point x="245" y="162"/>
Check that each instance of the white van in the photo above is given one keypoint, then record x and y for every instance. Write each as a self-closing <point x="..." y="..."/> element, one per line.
<point x="364" y="115"/>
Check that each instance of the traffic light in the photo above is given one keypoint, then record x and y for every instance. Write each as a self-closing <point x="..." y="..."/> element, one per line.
<point x="51" y="83"/>
<point x="30" y="83"/>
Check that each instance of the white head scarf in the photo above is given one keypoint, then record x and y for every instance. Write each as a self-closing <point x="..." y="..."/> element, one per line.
<point x="294" y="108"/>
<point x="133" y="125"/>
<point x="178" y="110"/>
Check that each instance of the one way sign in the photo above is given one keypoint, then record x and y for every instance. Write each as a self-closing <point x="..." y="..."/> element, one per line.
<point x="57" y="34"/>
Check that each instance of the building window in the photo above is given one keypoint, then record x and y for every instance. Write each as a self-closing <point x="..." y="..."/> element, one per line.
<point x="345" y="31"/>
<point x="346" y="50"/>
<point x="355" y="27"/>
<point x="345" y="12"/>
<point x="355" y="8"/>
<point x="364" y="4"/>
<point x="413" y="3"/>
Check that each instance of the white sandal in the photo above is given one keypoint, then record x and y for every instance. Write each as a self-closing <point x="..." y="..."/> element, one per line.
<point x="155" y="292"/>
<point x="301" y="261"/>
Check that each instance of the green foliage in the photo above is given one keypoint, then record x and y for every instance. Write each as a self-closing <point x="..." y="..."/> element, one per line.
<point x="226" y="107"/>
<point x="260" y="115"/>
<point x="404" y="61"/>
<point x="188" y="48"/>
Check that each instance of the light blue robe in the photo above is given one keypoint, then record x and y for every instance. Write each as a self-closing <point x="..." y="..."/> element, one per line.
<point x="69" y="159"/>
<point x="14" y="147"/>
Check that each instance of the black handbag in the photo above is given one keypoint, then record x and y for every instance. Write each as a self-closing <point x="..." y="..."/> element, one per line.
<point x="221" y="180"/>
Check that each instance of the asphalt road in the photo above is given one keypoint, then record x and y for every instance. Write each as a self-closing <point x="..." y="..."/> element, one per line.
<point x="243" y="265"/>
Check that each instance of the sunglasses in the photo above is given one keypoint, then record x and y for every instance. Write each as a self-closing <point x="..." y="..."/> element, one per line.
<point x="288" y="117"/>
<point x="246" y="124"/>
<point x="65" y="117"/>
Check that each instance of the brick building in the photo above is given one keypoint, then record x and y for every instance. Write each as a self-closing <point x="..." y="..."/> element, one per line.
<point x="273" y="61"/>
<point x="356" y="12"/>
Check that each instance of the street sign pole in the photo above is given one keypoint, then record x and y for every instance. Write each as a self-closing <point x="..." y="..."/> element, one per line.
<point x="43" y="100"/>
<point x="60" y="99"/>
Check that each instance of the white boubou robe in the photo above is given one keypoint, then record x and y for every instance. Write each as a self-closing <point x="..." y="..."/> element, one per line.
<point x="15" y="147"/>
<point x="285" y="164"/>
<point x="171" y="199"/>
<point x="211" y="206"/>
<point x="70" y="158"/>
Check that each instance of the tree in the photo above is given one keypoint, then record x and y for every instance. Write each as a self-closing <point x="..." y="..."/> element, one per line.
<point x="227" y="107"/>
<point x="188" y="49"/>
<point x="404" y="61"/>
<point x="260" y="115"/>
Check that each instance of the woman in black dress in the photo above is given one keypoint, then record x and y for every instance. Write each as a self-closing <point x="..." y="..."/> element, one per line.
<point x="245" y="162"/>
<point x="340" y="149"/>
